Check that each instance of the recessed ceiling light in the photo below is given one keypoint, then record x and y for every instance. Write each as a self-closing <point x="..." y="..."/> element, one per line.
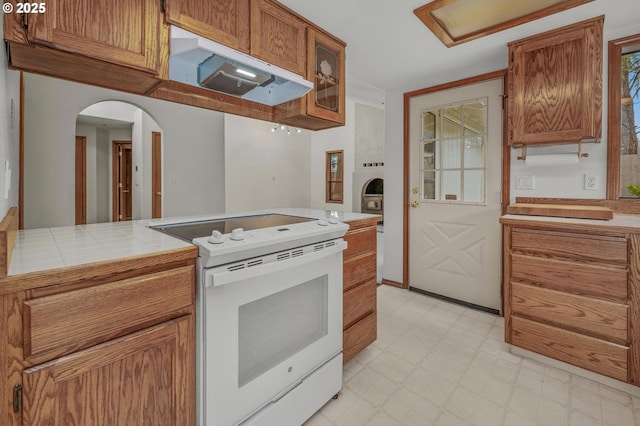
<point x="459" y="21"/>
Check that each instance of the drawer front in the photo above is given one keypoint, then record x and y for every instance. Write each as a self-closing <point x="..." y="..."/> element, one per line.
<point x="359" y="269"/>
<point x="570" y="277"/>
<point x="571" y="246"/>
<point x="360" y="241"/>
<point x="66" y="322"/>
<point x="595" y="317"/>
<point x="583" y="351"/>
<point x="359" y="302"/>
<point x="359" y="336"/>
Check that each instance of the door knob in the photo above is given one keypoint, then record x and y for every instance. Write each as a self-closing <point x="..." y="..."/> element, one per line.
<point x="415" y="204"/>
<point x="415" y="190"/>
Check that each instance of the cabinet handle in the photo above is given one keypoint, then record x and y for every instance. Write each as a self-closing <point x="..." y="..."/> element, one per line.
<point x="17" y="398"/>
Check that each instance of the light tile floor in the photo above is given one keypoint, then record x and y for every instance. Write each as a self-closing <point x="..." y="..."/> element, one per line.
<point x="436" y="363"/>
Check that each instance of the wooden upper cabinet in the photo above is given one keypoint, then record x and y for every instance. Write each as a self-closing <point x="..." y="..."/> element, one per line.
<point x="124" y="32"/>
<point x="555" y="86"/>
<point x="278" y="36"/>
<point x="325" y="68"/>
<point x="225" y="21"/>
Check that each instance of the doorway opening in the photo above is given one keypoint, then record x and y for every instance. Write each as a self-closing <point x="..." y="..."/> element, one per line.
<point x="122" y="180"/>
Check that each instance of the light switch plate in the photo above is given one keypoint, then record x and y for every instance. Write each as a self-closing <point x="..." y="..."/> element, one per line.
<point x="525" y="182"/>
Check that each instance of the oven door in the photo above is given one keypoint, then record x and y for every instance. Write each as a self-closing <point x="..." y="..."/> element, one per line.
<point x="266" y="327"/>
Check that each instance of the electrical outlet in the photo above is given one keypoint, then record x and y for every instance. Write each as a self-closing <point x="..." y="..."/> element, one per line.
<point x="591" y="182"/>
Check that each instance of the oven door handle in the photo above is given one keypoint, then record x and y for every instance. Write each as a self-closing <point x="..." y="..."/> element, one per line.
<point x="224" y="276"/>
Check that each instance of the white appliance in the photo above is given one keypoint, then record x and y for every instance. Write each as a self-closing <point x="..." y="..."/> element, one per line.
<point x="269" y="318"/>
<point x="204" y="63"/>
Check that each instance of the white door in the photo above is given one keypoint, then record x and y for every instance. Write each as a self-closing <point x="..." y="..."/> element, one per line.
<point x="455" y="182"/>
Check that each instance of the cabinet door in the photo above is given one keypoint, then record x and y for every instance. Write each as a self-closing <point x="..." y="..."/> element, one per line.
<point x="124" y="32"/>
<point x="146" y="378"/>
<point x="555" y="88"/>
<point x="278" y="36"/>
<point x="224" y="21"/>
<point x="325" y="67"/>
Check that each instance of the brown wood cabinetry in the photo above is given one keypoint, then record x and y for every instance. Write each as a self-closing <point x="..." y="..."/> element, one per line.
<point x="126" y="32"/>
<point x="555" y="86"/>
<point x="573" y="295"/>
<point x="278" y="36"/>
<point x="226" y="22"/>
<point x="360" y="322"/>
<point x="324" y="105"/>
<point x="124" y="46"/>
<point x="116" y="347"/>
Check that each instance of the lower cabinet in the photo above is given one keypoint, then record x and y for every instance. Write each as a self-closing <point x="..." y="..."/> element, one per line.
<point x="573" y="296"/>
<point x="93" y="349"/>
<point x="360" y="320"/>
<point x="137" y="379"/>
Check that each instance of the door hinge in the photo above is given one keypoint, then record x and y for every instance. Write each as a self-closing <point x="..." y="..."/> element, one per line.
<point x="163" y="6"/>
<point x="24" y="21"/>
<point x="17" y="398"/>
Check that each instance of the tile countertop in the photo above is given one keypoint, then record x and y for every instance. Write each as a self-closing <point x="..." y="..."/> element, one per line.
<point x="621" y="222"/>
<point x="51" y="248"/>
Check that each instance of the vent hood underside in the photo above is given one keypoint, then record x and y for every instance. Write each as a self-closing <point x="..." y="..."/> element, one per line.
<point x="200" y="62"/>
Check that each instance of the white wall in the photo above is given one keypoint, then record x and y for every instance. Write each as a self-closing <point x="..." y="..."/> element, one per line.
<point x="265" y="169"/>
<point x="193" y="150"/>
<point x="338" y="138"/>
<point x="393" y="186"/>
<point x="9" y="132"/>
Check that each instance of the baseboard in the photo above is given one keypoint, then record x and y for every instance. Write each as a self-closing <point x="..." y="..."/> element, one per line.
<point x="607" y="381"/>
<point x="393" y="283"/>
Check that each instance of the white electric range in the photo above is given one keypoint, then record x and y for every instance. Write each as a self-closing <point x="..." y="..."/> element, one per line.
<point x="269" y="316"/>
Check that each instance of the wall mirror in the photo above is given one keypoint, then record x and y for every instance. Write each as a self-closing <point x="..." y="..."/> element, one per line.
<point x="623" y="175"/>
<point x="118" y="164"/>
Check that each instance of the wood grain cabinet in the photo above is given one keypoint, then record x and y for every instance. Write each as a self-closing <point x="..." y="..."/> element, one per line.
<point x="278" y="36"/>
<point x="119" y="45"/>
<point x="555" y="86"/>
<point x="226" y="22"/>
<point x="360" y="288"/>
<point x="324" y="106"/>
<point x="124" y="32"/>
<point x="573" y="296"/>
<point x="117" y="349"/>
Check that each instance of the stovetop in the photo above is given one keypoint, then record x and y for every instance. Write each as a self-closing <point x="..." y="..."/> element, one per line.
<point x="192" y="230"/>
<point x="222" y="241"/>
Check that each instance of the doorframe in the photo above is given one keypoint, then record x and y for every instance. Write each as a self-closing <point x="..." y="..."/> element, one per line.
<point x="156" y="175"/>
<point x="114" y="177"/>
<point x="81" y="180"/>
<point x="506" y="162"/>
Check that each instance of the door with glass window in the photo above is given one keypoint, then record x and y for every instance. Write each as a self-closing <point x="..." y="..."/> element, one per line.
<point x="455" y="183"/>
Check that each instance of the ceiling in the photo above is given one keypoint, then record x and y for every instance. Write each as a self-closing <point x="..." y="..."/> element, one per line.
<point x="389" y="48"/>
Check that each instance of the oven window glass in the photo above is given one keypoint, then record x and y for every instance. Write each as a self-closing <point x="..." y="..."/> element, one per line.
<point x="274" y="328"/>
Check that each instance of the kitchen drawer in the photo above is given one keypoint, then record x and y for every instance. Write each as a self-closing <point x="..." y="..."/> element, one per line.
<point x="571" y="246"/>
<point x="595" y="317"/>
<point x="583" y="351"/>
<point x="360" y="241"/>
<point x="66" y="322"/>
<point x="359" y="269"/>
<point x="359" y="336"/>
<point x="577" y="278"/>
<point x="359" y="302"/>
